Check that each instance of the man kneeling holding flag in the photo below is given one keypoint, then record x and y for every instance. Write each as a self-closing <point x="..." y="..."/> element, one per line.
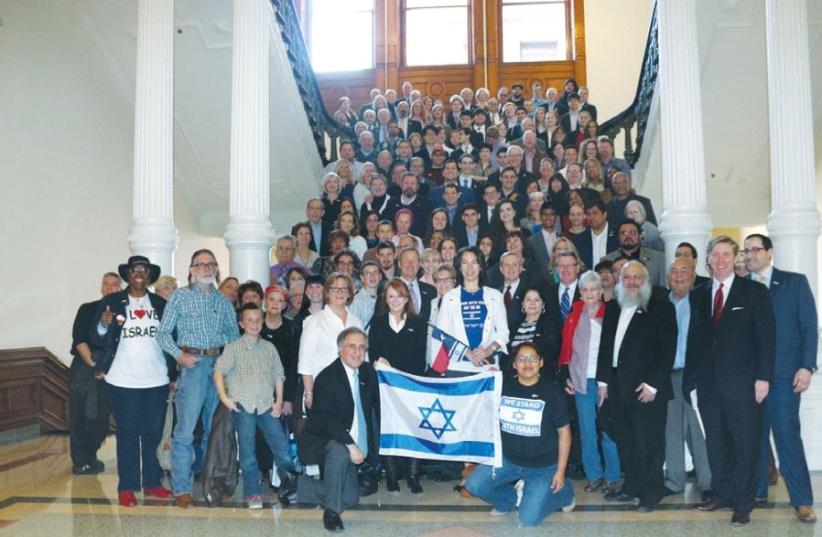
<point x="536" y="440"/>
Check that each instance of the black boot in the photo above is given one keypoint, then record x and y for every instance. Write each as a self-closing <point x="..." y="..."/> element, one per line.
<point x="391" y="482"/>
<point x="287" y="494"/>
<point x="414" y="476"/>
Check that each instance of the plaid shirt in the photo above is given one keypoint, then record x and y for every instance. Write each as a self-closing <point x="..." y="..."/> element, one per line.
<point x="252" y="367"/>
<point x="202" y="321"/>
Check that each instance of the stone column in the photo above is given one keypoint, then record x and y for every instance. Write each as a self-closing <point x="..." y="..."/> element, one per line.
<point x="249" y="231"/>
<point x="153" y="233"/>
<point x="793" y="224"/>
<point x="685" y="216"/>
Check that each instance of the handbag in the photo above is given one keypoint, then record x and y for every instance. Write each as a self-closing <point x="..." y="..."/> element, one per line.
<point x="164" y="447"/>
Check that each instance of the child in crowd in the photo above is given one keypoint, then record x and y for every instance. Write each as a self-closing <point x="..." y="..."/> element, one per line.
<point x="253" y="371"/>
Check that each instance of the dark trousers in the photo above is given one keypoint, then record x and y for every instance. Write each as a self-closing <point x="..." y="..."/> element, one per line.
<point x="639" y="430"/>
<point x="88" y="415"/>
<point x="732" y="429"/>
<point x="781" y="414"/>
<point x="339" y="488"/>
<point x="139" y="414"/>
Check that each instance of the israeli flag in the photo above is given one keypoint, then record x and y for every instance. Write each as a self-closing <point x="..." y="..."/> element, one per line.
<point x="447" y="419"/>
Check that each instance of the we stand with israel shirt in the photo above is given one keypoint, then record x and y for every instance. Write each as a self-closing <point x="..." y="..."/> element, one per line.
<point x="453" y="419"/>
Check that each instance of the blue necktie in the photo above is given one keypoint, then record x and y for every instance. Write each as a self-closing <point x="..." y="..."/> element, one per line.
<point x="362" y="428"/>
<point x="565" y="304"/>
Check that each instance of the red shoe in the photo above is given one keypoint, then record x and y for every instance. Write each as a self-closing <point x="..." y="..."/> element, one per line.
<point x="158" y="492"/>
<point x="127" y="498"/>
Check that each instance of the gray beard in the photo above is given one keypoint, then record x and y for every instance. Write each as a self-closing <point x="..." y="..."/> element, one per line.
<point x="629" y="300"/>
<point x="206" y="281"/>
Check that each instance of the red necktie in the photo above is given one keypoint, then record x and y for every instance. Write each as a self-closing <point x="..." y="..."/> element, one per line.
<point x="719" y="303"/>
<point x="507" y="297"/>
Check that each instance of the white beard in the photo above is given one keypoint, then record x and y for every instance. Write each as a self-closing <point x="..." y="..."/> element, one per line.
<point x="206" y="281"/>
<point x="628" y="300"/>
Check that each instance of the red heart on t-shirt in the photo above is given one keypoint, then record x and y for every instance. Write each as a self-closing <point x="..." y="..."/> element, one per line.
<point x="140" y="313"/>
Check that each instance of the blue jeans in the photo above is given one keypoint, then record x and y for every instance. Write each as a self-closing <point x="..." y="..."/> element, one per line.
<point x="139" y="414"/>
<point x="587" y="417"/>
<point x="496" y="486"/>
<point x="195" y="395"/>
<point x="781" y="413"/>
<point x="246" y="423"/>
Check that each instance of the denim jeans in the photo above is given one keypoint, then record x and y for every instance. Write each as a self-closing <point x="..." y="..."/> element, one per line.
<point x="246" y="424"/>
<point x="496" y="486"/>
<point x="139" y="414"/>
<point x="195" y="395"/>
<point x="591" y="461"/>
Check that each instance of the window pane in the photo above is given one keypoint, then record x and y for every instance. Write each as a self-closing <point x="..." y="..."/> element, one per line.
<point x="342" y="35"/>
<point x="409" y="4"/>
<point x="534" y="33"/>
<point x="436" y="36"/>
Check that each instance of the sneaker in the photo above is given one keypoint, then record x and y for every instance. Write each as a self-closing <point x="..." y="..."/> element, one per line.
<point x="494" y="512"/>
<point x="595" y="485"/>
<point x="254" y="502"/>
<point x="126" y="498"/>
<point x="570" y="507"/>
<point x="157" y="492"/>
<point x="805" y="514"/>
<point x="393" y="487"/>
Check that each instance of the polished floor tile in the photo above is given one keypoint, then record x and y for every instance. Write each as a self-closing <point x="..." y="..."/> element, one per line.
<point x="40" y="497"/>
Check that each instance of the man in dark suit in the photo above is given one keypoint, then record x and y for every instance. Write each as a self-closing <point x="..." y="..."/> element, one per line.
<point x="543" y="241"/>
<point x="468" y="227"/>
<point x="314" y="211"/>
<point x="585" y="105"/>
<point x="570" y="121"/>
<point x="732" y="377"/>
<point x="419" y="205"/>
<point x="795" y="362"/>
<point x="600" y="238"/>
<point x="339" y="433"/>
<point x="623" y="193"/>
<point x="636" y="354"/>
<point x="561" y="296"/>
<point x="421" y="293"/>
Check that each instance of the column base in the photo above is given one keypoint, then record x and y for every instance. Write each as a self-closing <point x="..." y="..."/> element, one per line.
<point x="795" y="234"/>
<point x="249" y="245"/>
<point x="156" y="241"/>
<point x="683" y="224"/>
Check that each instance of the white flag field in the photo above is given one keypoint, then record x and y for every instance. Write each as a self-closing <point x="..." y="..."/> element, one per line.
<point x="449" y="419"/>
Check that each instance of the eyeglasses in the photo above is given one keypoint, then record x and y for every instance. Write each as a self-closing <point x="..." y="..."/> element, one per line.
<point x="752" y="250"/>
<point x="528" y="358"/>
<point x="138" y="270"/>
<point x="199" y="266"/>
<point x="338" y="289"/>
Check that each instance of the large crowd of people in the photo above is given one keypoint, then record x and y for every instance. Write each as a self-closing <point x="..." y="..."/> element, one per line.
<point x="508" y="223"/>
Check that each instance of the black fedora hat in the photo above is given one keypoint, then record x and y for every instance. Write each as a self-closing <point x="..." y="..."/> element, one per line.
<point x="153" y="270"/>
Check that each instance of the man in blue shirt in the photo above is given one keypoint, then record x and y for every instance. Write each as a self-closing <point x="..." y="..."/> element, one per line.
<point x="683" y="424"/>
<point x="203" y="321"/>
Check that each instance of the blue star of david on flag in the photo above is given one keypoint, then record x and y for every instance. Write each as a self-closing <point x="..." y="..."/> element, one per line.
<point x="437" y="408"/>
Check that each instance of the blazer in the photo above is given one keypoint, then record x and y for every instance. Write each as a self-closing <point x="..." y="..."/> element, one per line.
<point x="467" y="195"/>
<point x="591" y="109"/>
<point x="332" y="412"/>
<point x="547" y="338"/>
<point x="611" y="244"/>
<point x="420" y="209"/>
<point x="321" y="246"/>
<point x="796" y="327"/>
<point x="541" y="254"/>
<point x="111" y="340"/>
<point x="647" y="351"/>
<point x="552" y="297"/>
<point x="495" y="328"/>
<point x="427" y="293"/>
<point x="740" y="349"/>
<point x="404" y="349"/>
<point x="654" y="261"/>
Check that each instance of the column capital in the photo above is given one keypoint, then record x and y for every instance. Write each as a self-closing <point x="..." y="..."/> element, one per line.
<point x="249" y="232"/>
<point x="801" y="223"/>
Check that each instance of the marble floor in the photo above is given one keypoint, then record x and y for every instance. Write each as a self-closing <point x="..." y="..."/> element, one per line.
<point x="40" y="497"/>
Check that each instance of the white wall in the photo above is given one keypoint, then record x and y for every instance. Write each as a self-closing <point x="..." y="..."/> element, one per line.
<point x="614" y="47"/>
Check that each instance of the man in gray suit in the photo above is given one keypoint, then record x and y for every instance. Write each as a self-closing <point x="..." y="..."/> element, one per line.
<point x="542" y="241"/>
<point x="628" y="234"/>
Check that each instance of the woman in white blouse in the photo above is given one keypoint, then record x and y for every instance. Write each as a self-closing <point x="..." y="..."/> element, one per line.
<point x="318" y="343"/>
<point x="475" y="315"/>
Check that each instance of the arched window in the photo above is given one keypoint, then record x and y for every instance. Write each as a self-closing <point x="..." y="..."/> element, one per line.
<point x="436" y="32"/>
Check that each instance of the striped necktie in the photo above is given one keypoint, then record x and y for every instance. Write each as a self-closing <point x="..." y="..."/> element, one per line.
<point x="565" y="304"/>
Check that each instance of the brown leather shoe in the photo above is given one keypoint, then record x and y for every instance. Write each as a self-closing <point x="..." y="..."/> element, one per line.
<point x="184" y="501"/>
<point x="806" y="514"/>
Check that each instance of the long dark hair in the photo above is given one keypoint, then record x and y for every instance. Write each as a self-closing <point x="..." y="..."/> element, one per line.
<point x="480" y="258"/>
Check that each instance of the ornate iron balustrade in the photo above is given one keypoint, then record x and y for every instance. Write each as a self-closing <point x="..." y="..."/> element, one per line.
<point x="325" y="129"/>
<point x="632" y="121"/>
